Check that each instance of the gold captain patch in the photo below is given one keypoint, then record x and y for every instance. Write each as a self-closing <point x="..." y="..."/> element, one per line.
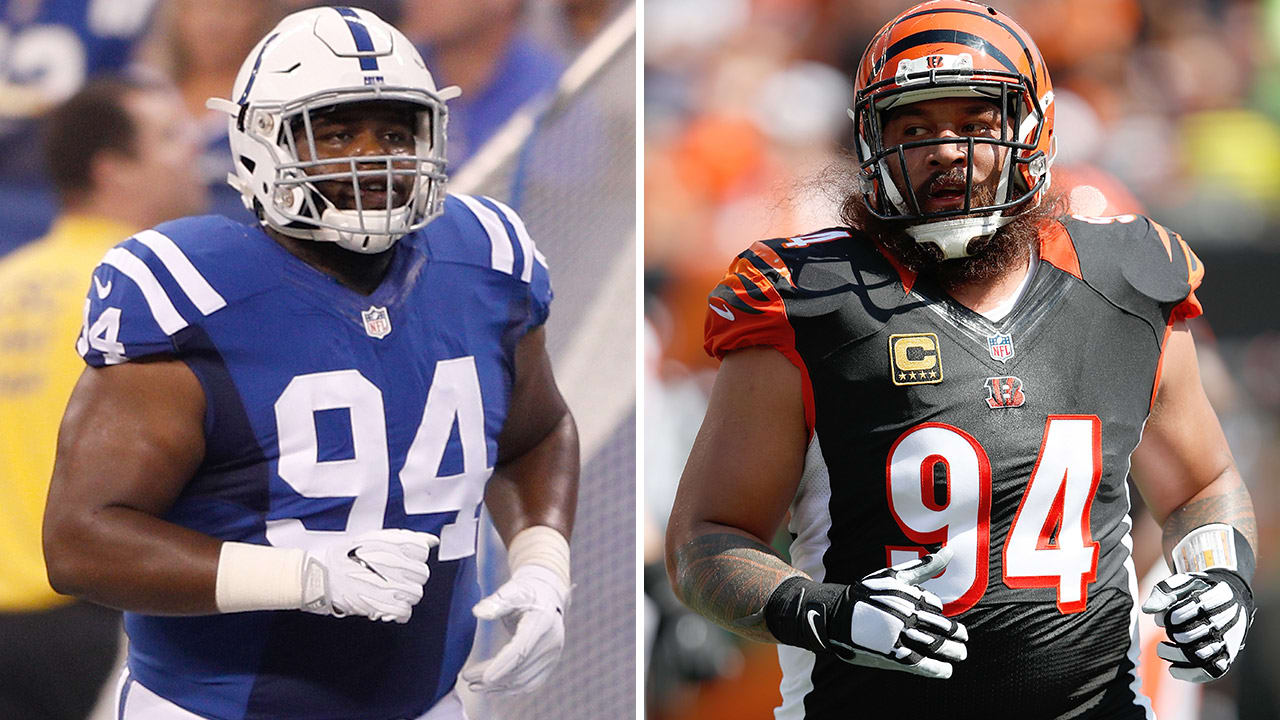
<point x="914" y="359"/>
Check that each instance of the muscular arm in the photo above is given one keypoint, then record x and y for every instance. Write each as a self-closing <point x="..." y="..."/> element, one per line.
<point x="1183" y="466"/>
<point x="739" y="481"/>
<point x="131" y="438"/>
<point x="536" y="478"/>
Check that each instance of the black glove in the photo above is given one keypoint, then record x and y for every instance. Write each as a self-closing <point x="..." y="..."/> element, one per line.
<point x="884" y="620"/>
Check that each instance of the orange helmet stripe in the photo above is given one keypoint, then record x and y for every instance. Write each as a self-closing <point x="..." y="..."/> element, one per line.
<point x="953" y="37"/>
<point x="970" y="22"/>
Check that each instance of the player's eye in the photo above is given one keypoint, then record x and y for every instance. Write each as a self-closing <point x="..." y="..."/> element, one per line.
<point x="333" y="134"/>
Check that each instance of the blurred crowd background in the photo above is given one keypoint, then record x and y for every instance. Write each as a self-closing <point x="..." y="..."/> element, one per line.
<point x="501" y="52"/>
<point x="1171" y="107"/>
<point x="104" y="132"/>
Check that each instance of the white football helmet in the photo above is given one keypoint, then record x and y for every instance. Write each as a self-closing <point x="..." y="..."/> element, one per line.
<point x="316" y="59"/>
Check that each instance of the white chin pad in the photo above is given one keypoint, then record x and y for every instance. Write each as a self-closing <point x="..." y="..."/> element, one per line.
<point x="373" y="237"/>
<point x="953" y="236"/>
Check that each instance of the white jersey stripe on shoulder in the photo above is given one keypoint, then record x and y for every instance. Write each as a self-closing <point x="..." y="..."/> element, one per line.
<point x="502" y="255"/>
<point x="526" y="243"/>
<point x="189" y="278"/>
<point x="162" y="309"/>
<point x="800" y="241"/>
<point x="824" y="235"/>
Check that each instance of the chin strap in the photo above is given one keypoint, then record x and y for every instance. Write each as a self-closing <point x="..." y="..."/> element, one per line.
<point x="242" y="187"/>
<point x="352" y="236"/>
<point x="352" y="239"/>
<point x="952" y="236"/>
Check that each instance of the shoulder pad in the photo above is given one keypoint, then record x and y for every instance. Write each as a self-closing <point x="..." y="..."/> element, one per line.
<point x="479" y="230"/>
<point x="158" y="282"/>
<point x="829" y="264"/>
<point x="778" y="283"/>
<point x="1139" y="265"/>
<point x="484" y="232"/>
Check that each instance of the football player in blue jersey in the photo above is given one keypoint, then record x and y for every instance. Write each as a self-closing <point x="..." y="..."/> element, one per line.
<point x="307" y="415"/>
<point x="942" y="399"/>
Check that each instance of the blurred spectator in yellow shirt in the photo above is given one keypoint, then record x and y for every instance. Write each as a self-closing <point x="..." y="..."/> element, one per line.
<point x="121" y="154"/>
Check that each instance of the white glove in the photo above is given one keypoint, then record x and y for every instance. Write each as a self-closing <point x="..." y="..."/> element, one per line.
<point x="1206" y="615"/>
<point x="378" y="575"/>
<point x="895" y="624"/>
<point x="531" y="605"/>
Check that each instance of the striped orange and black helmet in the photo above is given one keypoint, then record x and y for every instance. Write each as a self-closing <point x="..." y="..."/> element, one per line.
<point x="954" y="48"/>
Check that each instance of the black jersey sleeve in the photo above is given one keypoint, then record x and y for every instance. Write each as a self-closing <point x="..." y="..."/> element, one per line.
<point x="779" y="293"/>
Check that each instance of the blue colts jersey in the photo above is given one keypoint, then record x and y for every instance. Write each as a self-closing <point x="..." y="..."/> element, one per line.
<point x="330" y="414"/>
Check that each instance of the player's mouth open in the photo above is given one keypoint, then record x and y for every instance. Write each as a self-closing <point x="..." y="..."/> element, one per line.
<point x="945" y="197"/>
<point x="373" y="196"/>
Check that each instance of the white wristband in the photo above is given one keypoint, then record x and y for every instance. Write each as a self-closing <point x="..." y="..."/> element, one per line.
<point x="1207" y="546"/>
<point x="258" y="577"/>
<point x="540" y="545"/>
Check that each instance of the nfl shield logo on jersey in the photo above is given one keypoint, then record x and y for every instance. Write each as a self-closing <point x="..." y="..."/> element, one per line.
<point x="1001" y="346"/>
<point x="377" y="323"/>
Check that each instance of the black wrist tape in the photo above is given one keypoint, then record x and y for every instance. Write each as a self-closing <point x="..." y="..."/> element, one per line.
<point x="1246" y="563"/>
<point x="800" y="611"/>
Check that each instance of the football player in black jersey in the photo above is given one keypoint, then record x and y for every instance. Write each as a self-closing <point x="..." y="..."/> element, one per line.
<point x="943" y="398"/>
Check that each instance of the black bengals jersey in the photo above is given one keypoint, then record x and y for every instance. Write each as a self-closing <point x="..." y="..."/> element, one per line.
<point x="1008" y="441"/>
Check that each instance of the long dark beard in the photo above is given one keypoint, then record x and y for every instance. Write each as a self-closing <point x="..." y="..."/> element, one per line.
<point x="988" y="257"/>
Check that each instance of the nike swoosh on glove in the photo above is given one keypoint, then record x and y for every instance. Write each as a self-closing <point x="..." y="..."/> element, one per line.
<point x="884" y="620"/>
<point x="893" y="623"/>
<point x="378" y="575"/>
<point x="531" y="605"/>
<point x="1206" y="615"/>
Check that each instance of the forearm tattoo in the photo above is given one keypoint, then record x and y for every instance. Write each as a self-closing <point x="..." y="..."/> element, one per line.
<point x="728" y="578"/>
<point x="1232" y="507"/>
